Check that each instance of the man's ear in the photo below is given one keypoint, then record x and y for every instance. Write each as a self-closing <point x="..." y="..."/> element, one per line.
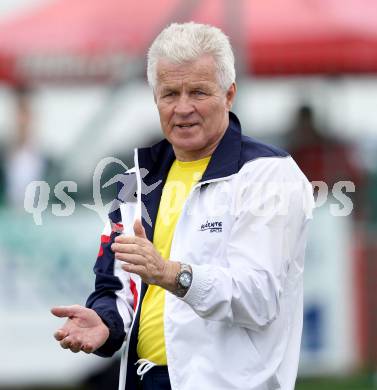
<point x="230" y="95"/>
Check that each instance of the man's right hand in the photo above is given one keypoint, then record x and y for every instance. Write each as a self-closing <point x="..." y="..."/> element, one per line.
<point x="84" y="329"/>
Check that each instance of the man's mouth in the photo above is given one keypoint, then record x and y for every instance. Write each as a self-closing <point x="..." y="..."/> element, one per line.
<point x="185" y="125"/>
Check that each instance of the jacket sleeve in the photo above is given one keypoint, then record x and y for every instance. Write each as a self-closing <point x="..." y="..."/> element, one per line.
<point x="113" y="297"/>
<point x="264" y="253"/>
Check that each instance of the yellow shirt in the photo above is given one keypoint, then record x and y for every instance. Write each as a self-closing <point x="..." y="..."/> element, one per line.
<point x="181" y="178"/>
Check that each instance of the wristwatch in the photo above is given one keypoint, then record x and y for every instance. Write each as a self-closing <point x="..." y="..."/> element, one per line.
<point x="183" y="280"/>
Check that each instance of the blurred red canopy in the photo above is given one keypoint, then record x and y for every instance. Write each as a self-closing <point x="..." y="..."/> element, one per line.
<point x="79" y="40"/>
<point x="106" y="39"/>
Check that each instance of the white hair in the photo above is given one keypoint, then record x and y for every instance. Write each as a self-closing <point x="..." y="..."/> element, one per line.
<point x="180" y="43"/>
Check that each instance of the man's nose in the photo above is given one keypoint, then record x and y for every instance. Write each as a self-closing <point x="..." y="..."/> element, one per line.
<point x="184" y="105"/>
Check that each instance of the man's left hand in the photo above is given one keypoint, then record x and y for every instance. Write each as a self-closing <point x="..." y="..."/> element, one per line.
<point x="141" y="257"/>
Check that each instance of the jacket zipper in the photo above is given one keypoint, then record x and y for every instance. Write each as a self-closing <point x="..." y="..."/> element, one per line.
<point x="124" y="354"/>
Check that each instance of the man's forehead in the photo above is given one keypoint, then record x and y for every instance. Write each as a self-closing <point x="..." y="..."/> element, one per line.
<point x="199" y="71"/>
<point x="172" y="84"/>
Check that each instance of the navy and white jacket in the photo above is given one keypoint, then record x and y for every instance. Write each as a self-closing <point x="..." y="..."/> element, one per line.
<point x="243" y="230"/>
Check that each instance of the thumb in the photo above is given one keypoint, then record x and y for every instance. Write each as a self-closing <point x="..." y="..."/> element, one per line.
<point x="66" y="311"/>
<point x="139" y="229"/>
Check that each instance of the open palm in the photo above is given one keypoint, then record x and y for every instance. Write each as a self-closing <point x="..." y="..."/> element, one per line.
<point x="84" y="329"/>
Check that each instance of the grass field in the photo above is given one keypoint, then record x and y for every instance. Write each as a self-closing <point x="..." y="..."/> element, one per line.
<point x="351" y="383"/>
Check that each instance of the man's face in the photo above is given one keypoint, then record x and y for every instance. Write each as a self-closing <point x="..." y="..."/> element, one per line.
<point x="192" y="106"/>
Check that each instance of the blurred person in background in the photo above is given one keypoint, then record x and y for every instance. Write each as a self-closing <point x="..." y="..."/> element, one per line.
<point x="324" y="158"/>
<point x="225" y="311"/>
<point x="23" y="160"/>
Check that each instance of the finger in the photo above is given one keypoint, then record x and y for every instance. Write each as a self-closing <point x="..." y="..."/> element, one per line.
<point x="122" y="239"/>
<point x="126" y="248"/>
<point x="66" y="311"/>
<point x="134" y="269"/>
<point x="87" y="348"/>
<point x="131" y="258"/>
<point x="139" y="229"/>
<point x="60" y="334"/>
<point x="65" y="343"/>
<point x="71" y="343"/>
<point x="76" y="346"/>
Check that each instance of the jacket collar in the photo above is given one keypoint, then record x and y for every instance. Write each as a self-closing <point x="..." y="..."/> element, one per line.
<point x="224" y="161"/>
<point x="159" y="158"/>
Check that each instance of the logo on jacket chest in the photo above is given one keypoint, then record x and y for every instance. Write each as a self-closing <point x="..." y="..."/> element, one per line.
<point x="212" y="226"/>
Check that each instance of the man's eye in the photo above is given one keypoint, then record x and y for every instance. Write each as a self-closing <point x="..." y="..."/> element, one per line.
<point x="169" y="94"/>
<point x="198" y="93"/>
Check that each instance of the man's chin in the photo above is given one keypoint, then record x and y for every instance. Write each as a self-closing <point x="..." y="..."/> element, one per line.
<point x="187" y="141"/>
<point x="187" y="131"/>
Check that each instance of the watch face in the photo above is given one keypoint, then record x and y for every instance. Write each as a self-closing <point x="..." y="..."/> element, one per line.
<point x="185" y="279"/>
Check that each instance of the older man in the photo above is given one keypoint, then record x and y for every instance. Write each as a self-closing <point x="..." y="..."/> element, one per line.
<point x="209" y="295"/>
